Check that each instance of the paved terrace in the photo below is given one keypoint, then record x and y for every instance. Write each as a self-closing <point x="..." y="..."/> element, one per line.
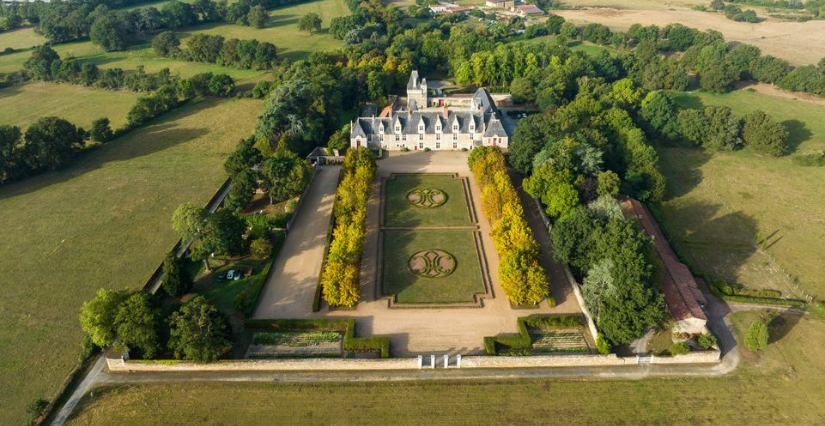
<point x="290" y="289"/>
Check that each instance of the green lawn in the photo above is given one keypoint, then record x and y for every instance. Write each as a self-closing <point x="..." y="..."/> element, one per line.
<point x="21" y="105"/>
<point x="20" y="38"/>
<point x="459" y="286"/>
<point x="282" y="29"/>
<point x="104" y="221"/>
<point x="779" y="387"/>
<point x="399" y="211"/>
<point x="717" y="204"/>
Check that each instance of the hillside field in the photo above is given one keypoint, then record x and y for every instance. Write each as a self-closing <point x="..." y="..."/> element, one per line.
<point x="780" y="386"/>
<point x="719" y="203"/>
<point x="103" y="221"/>
<point x="21" y="105"/>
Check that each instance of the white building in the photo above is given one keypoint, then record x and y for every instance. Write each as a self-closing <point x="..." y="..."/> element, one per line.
<point x="472" y="122"/>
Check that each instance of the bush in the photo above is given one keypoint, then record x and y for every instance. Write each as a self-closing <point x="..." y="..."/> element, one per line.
<point x="87" y="348"/>
<point x="602" y="345"/>
<point x="261" y="248"/>
<point x="35" y="409"/>
<point x="756" y="338"/>
<point x="679" y="348"/>
<point x="813" y="158"/>
<point x="101" y="132"/>
<point x="707" y="341"/>
<point x="241" y="301"/>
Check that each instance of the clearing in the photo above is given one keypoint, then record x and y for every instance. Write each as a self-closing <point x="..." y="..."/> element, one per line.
<point x="782" y="385"/>
<point x="719" y="203"/>
<point x="21" y="105"/>
<point x="20" y="38"/>
<point x="103" y="221"/>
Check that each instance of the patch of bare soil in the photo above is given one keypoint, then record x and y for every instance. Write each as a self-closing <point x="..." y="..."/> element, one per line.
<point x="769" y="89"/>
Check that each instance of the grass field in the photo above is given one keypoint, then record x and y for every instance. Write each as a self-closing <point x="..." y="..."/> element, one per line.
<point x="779" y="387"/>
<point x="104" y="221"/>
<point x="282" y="29"/>
<point x="23" y="104"/>
<point x="459" y="286"/>
<point x="719" y="203"/>
<point x="400" y="212"/>
<point x="20" y="38"/>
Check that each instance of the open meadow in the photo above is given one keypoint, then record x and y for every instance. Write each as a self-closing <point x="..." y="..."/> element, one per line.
<point x="20" y="38"/>
<point x="719" y="204"/>
<point x="23" y="104"/>
<point x="282" y="29"/>
<point x="102" y="221"/>
<point x="783" y="385"/>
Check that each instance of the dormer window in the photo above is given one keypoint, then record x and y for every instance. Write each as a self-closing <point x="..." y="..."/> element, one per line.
<point x="455" y="127"/>
<point x="381" y="128"/>
<point x="421" y="128"/>
<point x="472" y="127"/>
<point x="437" y="127"/>
<point x="397" y="128"/>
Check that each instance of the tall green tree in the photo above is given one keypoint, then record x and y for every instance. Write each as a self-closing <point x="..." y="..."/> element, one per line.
<point x="136" y="321"/>
<point x="310" y="22"/>
<point x="198" y="331"/>
<point x="176" y="281"/>
<point x="764" y="135"/>
<point x="98" y="316"/>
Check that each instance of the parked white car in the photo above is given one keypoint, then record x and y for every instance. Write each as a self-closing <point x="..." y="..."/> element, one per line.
<point x="230" y="275"/>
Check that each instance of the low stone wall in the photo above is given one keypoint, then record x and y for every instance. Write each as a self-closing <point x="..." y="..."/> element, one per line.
<point x="119" y="365"/>
<point x="699" y="357"/>
<point x="545" y="361"/>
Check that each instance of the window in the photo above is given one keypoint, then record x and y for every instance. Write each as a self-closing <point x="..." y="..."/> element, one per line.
<point x="472" y="128"/>
<point x="438" y="136"/>
<point x="421" y="128"/>
<point x="397" y="129"/>
<point x="421" y="136"/>
<point x="421" y="145"/>
<point x="405" y="137"/>
<point x="438" y="145"/>
<point x="438" y="128"/>
<point x="455" y="128"/>
<point x="455" y="145"/>
<point x="382" y="137"/>
<point x="455" y="136"/>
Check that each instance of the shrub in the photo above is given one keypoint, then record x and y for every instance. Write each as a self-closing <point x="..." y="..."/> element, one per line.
<point x="602" y="345"/>
<point x="260" y="249"/>
<point x="35" y="409"/>
<point x="101" y="132"/>
<point x="241" y="301"/>
<point x="87" y="348"/>
<point x="813" y="158"/>
<point x="426" y="149"/>
<point x="679" y="348"/>
<point x="707" y="341"/>
<point x="756" y="338"/>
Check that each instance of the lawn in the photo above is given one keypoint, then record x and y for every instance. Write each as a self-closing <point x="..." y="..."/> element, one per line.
<point x="138" y="54"/>
<point x="20" y="38"/>
<point x="779" y="387"/>
<point x="718" y="204"/>
<point x="282" y="29"/>
<point x="21" y="105"/>
<point x="104" y="221"/>
<point x="402" y="247"/>
<point x="401" y="212"/>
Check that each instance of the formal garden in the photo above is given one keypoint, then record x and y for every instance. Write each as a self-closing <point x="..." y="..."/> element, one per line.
<point x="412" y="200"/>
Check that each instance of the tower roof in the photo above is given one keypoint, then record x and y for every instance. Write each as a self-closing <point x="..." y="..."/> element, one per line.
<point x="414" y="82"/>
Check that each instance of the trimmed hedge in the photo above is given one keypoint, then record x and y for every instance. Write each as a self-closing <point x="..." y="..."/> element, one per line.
<point x="379" y="344"/>
<point x="721" y="291"/>
<point x="515" y="344"/>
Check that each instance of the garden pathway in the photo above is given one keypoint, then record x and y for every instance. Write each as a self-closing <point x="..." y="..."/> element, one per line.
<point x="289" y="292"/>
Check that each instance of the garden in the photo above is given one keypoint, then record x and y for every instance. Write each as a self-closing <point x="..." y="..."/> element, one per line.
<point x="425" y="200"/>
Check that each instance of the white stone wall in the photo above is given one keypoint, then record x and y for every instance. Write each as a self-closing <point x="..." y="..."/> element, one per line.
<point x="697" y="357"/>
<point x="306" y="364"/>
<point x="544" y="361"/>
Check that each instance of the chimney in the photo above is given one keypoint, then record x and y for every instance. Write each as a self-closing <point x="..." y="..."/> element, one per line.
<point x="446" y="113"/>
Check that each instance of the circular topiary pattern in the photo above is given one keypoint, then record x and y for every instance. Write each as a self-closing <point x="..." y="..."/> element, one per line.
<point x="427" y="197"/>
<point x="432" y="263"/>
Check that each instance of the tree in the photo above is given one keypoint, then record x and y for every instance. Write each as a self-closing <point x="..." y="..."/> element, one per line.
<point x="340" y="139"/>
<point x="569" y="30"/>
<point x="176" y="281"/>
<point x="764" y="135"/>
<point x="261" y="248"/>
<point x="198" y="331"/>
<point x="166" y="44"/>
<point x="98" y="316"/>
<point x="109" y="31"/>
<point x="608" y="184"/>
<point x="101" y="132"/>
<point x="717" y="5"/>
<point x="189" y="221"/>
<point x="258" y="17"/>
<point x="598" y="284"/>
<point x="136" y="321"/>
<point x="659" y="112"/>
<point x="530" y="137"/>
<point x="50" y="142"/>
<point x="225" y="230"/>
<point x="554" y="188"/>
<point x="221" y="85"/>
<point x="284" y="175"/>
<point x="757" y="336"/>
<point x="9" y="152"/>
<point x="310" y="22"/>
<point x="244" y="185"/>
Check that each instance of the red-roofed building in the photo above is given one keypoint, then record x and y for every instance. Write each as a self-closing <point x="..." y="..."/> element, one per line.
<point x="682" y="294"/>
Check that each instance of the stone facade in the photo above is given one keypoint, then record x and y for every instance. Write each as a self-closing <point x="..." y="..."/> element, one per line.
<point x="438" y="123"/>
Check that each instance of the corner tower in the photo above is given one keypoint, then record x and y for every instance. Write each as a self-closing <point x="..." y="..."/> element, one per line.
<point x="417" y="90"/>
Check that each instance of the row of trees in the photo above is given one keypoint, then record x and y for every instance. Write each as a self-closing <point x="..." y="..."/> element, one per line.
<point x="48" y="143"/>
<point x="196" y="331"/>
<point x="245" y="54"/>
<point x="341" y="274"/>
<point x="713" y="127"/>
<point x="520" y="273"/>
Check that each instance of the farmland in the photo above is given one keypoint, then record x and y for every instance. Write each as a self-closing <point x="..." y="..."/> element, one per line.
<point x="718" y="204"/>
<point x="103" y="221"/>
<point x="780" y="386"/>
<point x="23" y="104"/>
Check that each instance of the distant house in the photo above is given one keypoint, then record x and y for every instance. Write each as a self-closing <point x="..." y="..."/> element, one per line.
<point x="435" y="123"/>
<point x="501" y="4"/>
<point x="528" y="9"/>
<point x="445" y="7"/>
<point x="682" y="294"/>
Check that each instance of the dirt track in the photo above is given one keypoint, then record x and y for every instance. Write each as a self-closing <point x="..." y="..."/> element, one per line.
<point x="800" y="43"/>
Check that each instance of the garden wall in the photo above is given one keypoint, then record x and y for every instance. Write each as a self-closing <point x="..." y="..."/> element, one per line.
<point x="699" y="357"/>
<point x="118" y="365"/>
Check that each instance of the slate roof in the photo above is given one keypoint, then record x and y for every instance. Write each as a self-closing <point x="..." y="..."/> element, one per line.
<point x="681" y="291"/>
<point x="414" y="83"/>
<point x="409" y="122"/>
